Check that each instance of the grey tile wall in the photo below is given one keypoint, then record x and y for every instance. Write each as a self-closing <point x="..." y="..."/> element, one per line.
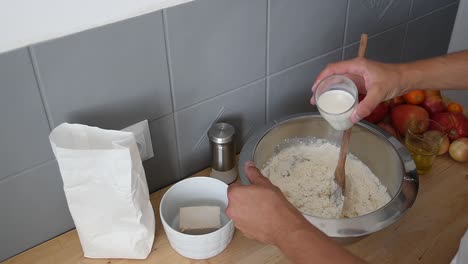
<point x="430" y="35"/>
<point x="163" y="168"/>
<point x="114" y="71"/>
<point x="182" y="69"/>
<point x="244" y="108"/>
<point x="290" y="91"/>
<point x="24" y="128"/>
<point x="33" y="209"/>
<point x="370" y="16"/>
<point x="385" y="47"/>
<point x="297" y="25"/>
<point x="215" y="46"/>
<point x="421" y="7"/>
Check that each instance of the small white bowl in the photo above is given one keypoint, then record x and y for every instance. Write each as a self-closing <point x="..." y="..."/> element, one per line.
<point x="196" y="191"/>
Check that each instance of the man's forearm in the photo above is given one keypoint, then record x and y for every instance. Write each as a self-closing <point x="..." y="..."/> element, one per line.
<point x="309" y="245"/>
<point x="439" y="73"/>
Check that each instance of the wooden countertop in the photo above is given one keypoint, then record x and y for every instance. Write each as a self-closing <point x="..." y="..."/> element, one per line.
<point x="429" y="233"/>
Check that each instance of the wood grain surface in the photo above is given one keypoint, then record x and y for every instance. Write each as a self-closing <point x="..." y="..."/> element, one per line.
<point x="429" y="233"/>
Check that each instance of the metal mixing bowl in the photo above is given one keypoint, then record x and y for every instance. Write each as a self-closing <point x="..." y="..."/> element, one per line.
<point x="385" y="156"/>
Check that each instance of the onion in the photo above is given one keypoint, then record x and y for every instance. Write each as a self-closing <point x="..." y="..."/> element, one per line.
<point x="459" y="150"/>
<point x="444" y="146"/>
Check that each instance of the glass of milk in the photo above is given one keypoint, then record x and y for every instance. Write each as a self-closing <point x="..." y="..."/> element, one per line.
<point x="336" y="97"/>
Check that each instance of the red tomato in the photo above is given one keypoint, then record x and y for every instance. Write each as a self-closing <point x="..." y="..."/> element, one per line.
<point x="414" y="97"/>
<point x="403" y="114"/>
<point x="434" y="105"/>
<point x="455" y="124"/>
<point x="379" y="112"/>
<point x="395" y="101"/>
<point x="455" y="108"/>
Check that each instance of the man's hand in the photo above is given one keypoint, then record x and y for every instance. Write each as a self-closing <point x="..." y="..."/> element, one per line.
<point x="379" y="81"/>
<point x="261" y="211"/>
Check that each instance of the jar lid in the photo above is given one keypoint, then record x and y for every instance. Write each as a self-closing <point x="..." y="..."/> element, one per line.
<point x="221" y="133"/>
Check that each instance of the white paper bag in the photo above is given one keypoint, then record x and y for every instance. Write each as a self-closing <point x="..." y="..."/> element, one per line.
<point x="106" y="190"/>
<point x="462" y="255"/>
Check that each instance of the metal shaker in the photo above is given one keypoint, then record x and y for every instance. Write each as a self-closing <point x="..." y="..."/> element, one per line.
<point x="223" y="152"/>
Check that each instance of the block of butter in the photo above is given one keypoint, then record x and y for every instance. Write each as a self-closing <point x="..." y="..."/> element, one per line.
<point x="197" y="220"/>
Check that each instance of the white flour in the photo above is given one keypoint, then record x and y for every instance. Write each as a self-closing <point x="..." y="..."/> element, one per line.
<point x="305" y="174"/>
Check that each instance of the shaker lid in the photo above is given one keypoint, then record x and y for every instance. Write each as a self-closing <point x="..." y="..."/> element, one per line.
<point x="221" y="133"/>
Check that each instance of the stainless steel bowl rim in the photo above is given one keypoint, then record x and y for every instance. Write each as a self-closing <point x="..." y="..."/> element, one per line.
<point x="364" y="224"/>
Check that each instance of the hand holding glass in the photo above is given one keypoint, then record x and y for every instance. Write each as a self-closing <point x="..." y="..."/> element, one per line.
<point x="336" y="97"/>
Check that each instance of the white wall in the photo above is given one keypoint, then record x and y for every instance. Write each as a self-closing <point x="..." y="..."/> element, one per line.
<point x="459" y="41"/>
<point x="26" y="22"/>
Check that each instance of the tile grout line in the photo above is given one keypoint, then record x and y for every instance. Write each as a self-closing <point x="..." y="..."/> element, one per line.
<point x="256" y="81"/>
<point x="159" y="117"/>
<point x="168" y="57"/>
<point x="356" y="42"/>
<point x="402" y="53"/>
<point x="171" y="87"/>
<point x="411" y="8"/>
<point x="345" y="34"/>
<point x="40" y="87"/>
<point x="305" y="62"/>
<point x="376" y="34"/>
<point x="267" y="63"/>
<point x="432" y="12"/>
<point x="179" y="156"/>
<point x="399" y="25"/>
<point x="30" y="169"/>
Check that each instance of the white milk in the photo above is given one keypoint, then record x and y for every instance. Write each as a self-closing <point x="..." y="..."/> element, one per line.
<point x="335" y="106"/>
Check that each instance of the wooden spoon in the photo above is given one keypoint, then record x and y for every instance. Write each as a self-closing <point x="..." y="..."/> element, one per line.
<point x="340" y="176"/>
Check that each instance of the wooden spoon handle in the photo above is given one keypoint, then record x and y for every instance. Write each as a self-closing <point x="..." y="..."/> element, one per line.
<point x="340" y="177"/>
<point x="362" y="46"/>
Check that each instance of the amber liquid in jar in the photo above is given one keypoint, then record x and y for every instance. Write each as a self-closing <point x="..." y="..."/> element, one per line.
<point x="422" y="158"/>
